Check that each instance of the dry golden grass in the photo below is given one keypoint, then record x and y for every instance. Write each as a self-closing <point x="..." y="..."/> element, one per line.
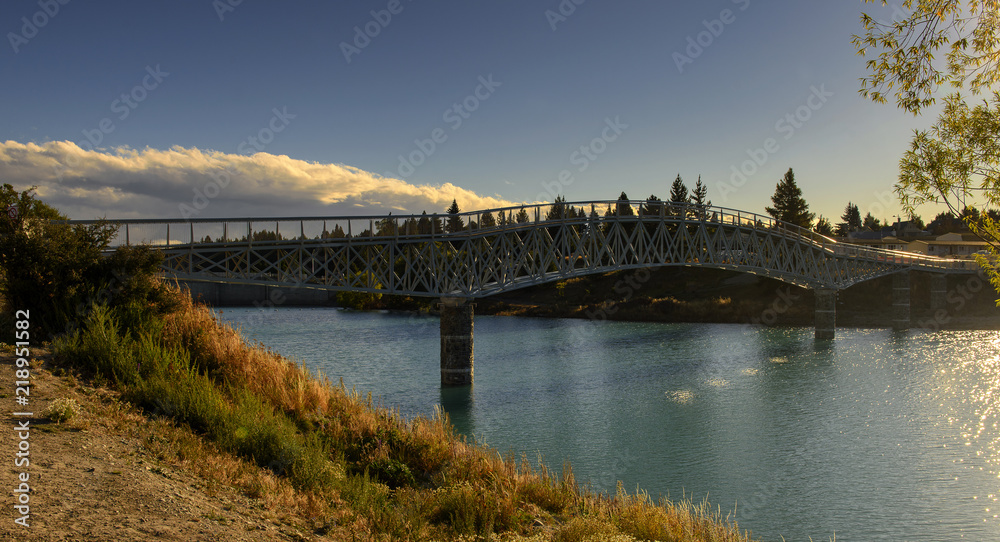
<point x="286" y="386"/>
<point x="386" y="478"/>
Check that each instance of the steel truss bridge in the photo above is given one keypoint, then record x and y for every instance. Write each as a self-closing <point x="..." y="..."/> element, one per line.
<point x="476" y="254"/>
<point x="481" y="253"/>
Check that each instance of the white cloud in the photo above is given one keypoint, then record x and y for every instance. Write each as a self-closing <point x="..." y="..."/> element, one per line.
<point x="129" y="183"/>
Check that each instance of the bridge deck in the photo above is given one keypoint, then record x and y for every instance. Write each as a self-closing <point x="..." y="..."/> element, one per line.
<point x="480" y="253"/>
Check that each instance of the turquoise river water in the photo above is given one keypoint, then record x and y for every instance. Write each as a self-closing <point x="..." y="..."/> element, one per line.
<point x="875" y="436"/>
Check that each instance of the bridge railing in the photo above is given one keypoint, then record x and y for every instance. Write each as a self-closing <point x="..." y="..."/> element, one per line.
<point x="169" y="233"/>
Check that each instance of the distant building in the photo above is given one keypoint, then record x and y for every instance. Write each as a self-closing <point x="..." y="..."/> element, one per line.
<point x="949" y="245"/>
<point x="876" y="239"/>
<point x="907" y="230"/>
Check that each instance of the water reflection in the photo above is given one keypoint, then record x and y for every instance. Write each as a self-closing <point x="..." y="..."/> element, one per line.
<point x="458" y="402"/>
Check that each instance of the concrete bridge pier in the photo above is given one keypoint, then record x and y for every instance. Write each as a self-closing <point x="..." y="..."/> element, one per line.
<point x="901" y="301"/>
<point x="939" y="290"/>
<point x="826" y="313"/>
<point x="456" y="341"/>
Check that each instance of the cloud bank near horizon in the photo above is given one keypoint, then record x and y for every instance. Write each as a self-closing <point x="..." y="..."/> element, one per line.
<point x="191" y="183"/>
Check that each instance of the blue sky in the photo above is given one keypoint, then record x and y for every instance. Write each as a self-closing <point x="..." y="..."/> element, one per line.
<point x="487" y="102"/>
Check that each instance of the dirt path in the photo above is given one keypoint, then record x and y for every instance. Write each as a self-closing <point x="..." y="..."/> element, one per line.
<point x="98" y="477"/>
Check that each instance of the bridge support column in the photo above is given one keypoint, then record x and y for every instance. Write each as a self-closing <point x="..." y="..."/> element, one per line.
<point x="456" y="342"/>
<point x="939" y="290"/>
<point x="901" y="301"/>
<point x="826" y="313"/>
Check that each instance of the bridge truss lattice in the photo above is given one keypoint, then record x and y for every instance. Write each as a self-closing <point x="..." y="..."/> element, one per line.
<point x="480" y="253"/>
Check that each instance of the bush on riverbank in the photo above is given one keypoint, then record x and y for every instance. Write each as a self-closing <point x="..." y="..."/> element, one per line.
<point x="57" y="272"/>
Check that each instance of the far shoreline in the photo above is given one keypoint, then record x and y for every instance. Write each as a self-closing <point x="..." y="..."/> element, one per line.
<point x="671" y="295"/>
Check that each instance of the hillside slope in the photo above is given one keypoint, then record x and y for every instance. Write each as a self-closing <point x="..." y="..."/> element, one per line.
<point x="112" y="473"/>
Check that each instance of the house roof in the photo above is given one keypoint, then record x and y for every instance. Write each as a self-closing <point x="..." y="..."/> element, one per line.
<point x="868" y="235"/>
<point x="956" y="237"/>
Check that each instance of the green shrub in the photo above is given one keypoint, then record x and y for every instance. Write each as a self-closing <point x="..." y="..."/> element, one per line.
<point x="391" y="472"/>
<point x="59" y="272"/>
<point x="470" y="510"/>
<point x="61" y="410"/>
<point x="361" y="300"/>
<point x="98" y="348"/>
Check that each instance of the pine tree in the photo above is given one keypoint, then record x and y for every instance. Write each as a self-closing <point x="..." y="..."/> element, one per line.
<point x="410" y="226"/>
<point x="522" y="216"/>
<point x="558" y="210"/>
<point x="386" y="227"/>
<point x="623" y="208"/>
<point x="678" y="197"/>
<point x="823" y="227"/>
<point x="455" y="223"/>
<point x="699" y="198"/>
<point x="487" y="220"/>
<point x="652" y="206"/>
<point x="424" y="224"/>
<point x="851" y="220"/>
<point x="789" y="206"/>
<point x="871" y="223"/>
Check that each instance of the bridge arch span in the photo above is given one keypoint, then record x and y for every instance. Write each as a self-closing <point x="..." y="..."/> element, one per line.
<point x="480" y="253"/>
<point x="506" y="249"/>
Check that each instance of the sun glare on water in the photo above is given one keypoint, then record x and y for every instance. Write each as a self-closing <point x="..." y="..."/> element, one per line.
<point x="978" y="366"/>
